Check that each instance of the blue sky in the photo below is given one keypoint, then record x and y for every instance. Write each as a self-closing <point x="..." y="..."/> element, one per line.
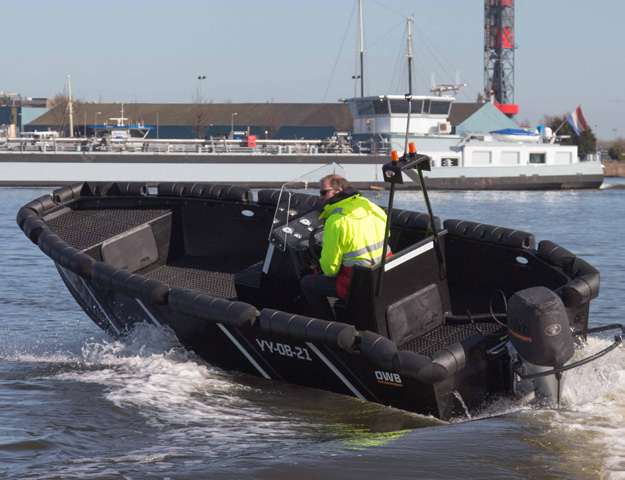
<point x="570" y="52"/>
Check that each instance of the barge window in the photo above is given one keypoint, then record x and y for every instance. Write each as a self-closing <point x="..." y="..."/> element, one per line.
<point x="401" y="106"/>
<point x="439" y="108"/>
<point x="416" y="106"/>
<point x="537" y="158"/>
<point x="449" y="162"/>
<point x="381" y="107"/>
<point x="481" y="157"/>
<point x="365" y="107"/>
<point x="563" y="158"/>
<point x="510" y="158"/>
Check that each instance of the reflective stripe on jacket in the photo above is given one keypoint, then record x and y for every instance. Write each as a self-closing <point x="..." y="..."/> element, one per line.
<point x="353" y="235"/>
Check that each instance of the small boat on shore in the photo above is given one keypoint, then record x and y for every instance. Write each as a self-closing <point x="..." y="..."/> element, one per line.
<point x="461" y="314"/>
<point x="515" y="135"/>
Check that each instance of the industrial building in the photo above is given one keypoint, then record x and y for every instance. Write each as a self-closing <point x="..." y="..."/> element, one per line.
<point x="285" y="121"/>
<point x="185" y="121"/>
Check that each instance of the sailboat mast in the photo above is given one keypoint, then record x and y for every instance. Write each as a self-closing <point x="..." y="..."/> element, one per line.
<point x="362" y="51"/>
<point x="71" y="109"/>
<point x="409" y="57"/>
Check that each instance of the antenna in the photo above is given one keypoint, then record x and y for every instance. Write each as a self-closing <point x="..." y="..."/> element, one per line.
<point x="409" y="20"/>
<point x="446" y="87"/>
<point x="71" y="109"/>
<point x="362" y="51"/>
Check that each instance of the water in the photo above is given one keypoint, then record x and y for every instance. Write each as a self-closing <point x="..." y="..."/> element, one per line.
<point x="75" y="403"/>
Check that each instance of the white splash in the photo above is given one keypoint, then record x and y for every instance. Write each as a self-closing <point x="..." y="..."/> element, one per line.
<point x="150" y="373"/>
<point x="594" y="395"/>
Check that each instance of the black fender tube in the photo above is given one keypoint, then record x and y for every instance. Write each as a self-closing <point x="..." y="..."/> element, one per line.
<point x="555" y="254"/>
<point x="33" y="227"/>
<point x="300" y="327"/>
<point x="64" y="254"/>
<point x="67" y="193"/>
<point x="585" y="280"/>
<point x="171" y="189"/>
<point x="383" y="352"/>
<point x="305" y="202"/>
<point x="23" y="214"/>
<point x="238" y="194"/>
<point x="491" y="234"/>
<point x="410" y="219"/>
<point x="232" y="313"/>
<point x="380" y="350"/>
<point x="442" y="365"/>
<point x="96" y="189"/>
<point x="299" y="201"/>
<point x="77" y="262"/>
<point x="129" y="189"/>
<point x="419" y="367"/>
<point x="580" y="290"/>
<point x="35" y="208"/>
<point x="210" y="190"/>
<point x="41" y="204"/>
<point x="225" y="192"/>
<point x="109" y="277"/>
<point x="268" y="197"/>
<point x="205" y="190"/>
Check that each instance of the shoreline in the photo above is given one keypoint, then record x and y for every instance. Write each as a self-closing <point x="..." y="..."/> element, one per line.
<point x="613" y="169"/>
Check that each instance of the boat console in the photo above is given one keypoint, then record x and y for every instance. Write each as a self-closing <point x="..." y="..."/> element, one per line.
<point x="291" y="238"/>
<point x="295" y="224"/>
<point x="400" y="306"/>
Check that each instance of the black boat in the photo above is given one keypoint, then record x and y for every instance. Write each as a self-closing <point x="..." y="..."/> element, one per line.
<point x="461" y="314"/>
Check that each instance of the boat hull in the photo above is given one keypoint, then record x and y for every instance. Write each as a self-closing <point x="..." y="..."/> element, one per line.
<point x="309" y="364"/>
<point x="269" y="171"/>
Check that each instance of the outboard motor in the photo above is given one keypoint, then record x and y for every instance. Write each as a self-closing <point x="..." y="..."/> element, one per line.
<point x="538" y="328"/>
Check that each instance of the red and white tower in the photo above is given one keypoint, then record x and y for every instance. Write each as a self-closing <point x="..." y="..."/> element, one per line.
<point x="499" y="54"/>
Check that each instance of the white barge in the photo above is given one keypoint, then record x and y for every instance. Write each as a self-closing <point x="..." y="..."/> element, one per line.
<point x="459" y="161"/>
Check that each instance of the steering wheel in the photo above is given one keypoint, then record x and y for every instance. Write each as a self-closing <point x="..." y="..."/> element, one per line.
<point x="315" y="243"/>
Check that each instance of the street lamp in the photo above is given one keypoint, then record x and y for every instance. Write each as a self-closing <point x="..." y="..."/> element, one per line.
<point x="355" y="77"/>
<point x="232" y="124"/>
<point x="200" y="97"/>
<point x="95" y="118"/>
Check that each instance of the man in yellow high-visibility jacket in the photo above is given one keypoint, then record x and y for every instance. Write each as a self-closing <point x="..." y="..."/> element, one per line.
<point x="353" y="235"/>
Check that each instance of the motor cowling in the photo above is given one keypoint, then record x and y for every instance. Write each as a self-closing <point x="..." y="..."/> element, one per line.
<point x="538" y="327"/>
<point x="539" y="331"/>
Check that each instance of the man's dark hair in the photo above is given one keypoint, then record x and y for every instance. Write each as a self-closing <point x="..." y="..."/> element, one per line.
<point x="335" y="181"/>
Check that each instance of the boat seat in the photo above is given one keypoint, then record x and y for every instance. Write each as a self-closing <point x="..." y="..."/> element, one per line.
<point x="410" y="301"/>
<point x="408" y="227"/>
<point x="132" y="250"/>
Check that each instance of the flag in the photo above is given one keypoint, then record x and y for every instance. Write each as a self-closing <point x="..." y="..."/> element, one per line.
<point x="577" y="120"/>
